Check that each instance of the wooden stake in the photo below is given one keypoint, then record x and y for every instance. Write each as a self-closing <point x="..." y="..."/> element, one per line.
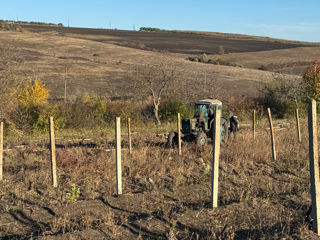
<point x="179" y="132"/>
<point x="314" y="165"/>
<point x="215" y="158"/>
<point x="1" y="150"/>
<point x="254" y="123"/>
<point x="53" y="153"/>
<point x="118" y="157"/>
<point x="274" y="156"/>
<point x="298" y="125"/>
<point x="129" y="136"/>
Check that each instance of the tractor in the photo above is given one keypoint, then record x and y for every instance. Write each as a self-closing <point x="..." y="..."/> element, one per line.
<point x="200" y="127"/>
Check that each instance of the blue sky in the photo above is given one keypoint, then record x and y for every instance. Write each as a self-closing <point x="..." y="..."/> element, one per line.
<point x="286" y="19"/>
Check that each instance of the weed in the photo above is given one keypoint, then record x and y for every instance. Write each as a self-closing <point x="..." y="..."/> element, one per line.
<point x="74" y="195"/>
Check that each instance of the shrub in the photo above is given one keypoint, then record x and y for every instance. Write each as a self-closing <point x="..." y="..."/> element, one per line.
<point x="312" y="81"/>
<point x="283" y="94"/>
<point x="168" y="110"/>
<point x="123" y="109"/>
<point x="89" y="112"/>
<point x="242" y="106"/>
<point x="41" y="123"/>
<point x="84" y="112"/>
<point x="204" y="58"/>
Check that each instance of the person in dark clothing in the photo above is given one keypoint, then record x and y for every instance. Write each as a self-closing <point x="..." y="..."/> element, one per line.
<point x="234" y="124"/>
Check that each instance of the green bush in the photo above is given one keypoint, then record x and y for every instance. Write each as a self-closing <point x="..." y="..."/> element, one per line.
<point x="41" y="123"/>
<point x="84" y="112"/>
<point x="124" y="110"/>
<point x="168" y="110"/>
<point x="90" y="112"/>
<point x="35" y="118"/>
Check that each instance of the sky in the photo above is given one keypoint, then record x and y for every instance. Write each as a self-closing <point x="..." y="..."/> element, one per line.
<point x="285" y="19"/>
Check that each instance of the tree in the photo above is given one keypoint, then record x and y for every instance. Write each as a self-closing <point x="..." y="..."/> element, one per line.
<point x="155" y="80"/>
<point x="281" y="92"/>
<point x="34" y="93"/>
<point x="312" y="81"/>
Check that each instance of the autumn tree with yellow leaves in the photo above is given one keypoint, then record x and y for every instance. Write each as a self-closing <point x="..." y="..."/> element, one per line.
<point x="33" y="93"/>
<point x="31" y="108"/>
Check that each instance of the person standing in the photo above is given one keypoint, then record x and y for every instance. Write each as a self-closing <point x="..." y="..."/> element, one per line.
<point x="234" y="124"/>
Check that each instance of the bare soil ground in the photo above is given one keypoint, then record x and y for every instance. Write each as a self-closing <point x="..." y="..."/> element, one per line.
<point x="175" y="42"/>
<point x="164" y="194"/>
<point x="102" y="67"/>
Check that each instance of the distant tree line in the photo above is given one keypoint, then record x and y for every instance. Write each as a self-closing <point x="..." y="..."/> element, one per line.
<point x="12" y="22"/>
<point x="151" y="29"/>
<point x="8" y="26"/>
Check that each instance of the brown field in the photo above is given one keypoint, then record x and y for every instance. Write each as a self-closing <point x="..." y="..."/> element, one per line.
<point x="288" y="61"/>
<point x="163" y="192"/>
<point x="175" y="41"/>
<point x="96" y="61"/>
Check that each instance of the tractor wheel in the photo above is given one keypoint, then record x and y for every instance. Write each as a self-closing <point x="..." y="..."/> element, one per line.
<point x="172" y="140"/>
<point x="201" y="139"/>
<point x="224" y="130"/>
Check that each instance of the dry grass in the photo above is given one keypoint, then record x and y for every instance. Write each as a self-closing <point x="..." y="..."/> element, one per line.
<point x="102" y="67"/>
<point x="163" y="192"/>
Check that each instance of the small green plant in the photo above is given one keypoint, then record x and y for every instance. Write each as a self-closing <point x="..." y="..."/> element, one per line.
<point x="73" y="196"/>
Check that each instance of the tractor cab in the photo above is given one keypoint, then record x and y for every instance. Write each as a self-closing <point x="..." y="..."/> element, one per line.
<point x="204" y="112"/>
<point x="200" y="126"/>
<point x="203" y="116"/>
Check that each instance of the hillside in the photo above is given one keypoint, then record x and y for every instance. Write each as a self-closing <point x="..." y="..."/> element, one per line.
<point x="98" y="61"/>
<point x="187" y="42"/>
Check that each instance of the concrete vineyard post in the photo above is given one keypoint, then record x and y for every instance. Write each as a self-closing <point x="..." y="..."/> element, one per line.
<point x="118" y="157"/>
<point x="274" y="155"/>
<point x="215" y="158"/>
<point x="314" y="165"/>
<point x="298" y="125"/>
<point x="129" y="136"/>
<point x="53" y="153"/>
<point x="1" y="150"/>
<point x="179" y="132"/>
<point x="254" y="123"/>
